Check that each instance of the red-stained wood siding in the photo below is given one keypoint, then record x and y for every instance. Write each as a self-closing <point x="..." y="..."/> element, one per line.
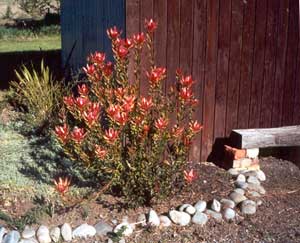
<point x="244" y="56"/>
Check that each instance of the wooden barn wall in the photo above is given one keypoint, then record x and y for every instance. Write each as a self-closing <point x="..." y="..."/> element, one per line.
<point x="244" y="56"/>
<point x="83" y="27"/>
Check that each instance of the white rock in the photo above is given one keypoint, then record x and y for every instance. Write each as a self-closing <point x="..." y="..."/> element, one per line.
<point x="252" y="153"/>
<point x="199" y="218"/>
<point x="30" y="240"/>
<point x="55" y="234"/>
<point x="261" y="175"/>
<point x="84" y="231"/>
<point x="153" y="218"/>
<point x="28" y="232"/>
<point x="237" y="197"/>
<point x="215" y="205"/>
<point x="12" y="237"/>
<point x="241" y="184"/>
<point x="165" y="221"/>
<point x="229" y="214"/>
<point x="180" y="218"/>
<point x="66" y="232"/>
<point x="248" y="207"/>
<point x="227" y="203"/>
<point x="43" y="234"/>
<point x="3" y="231"/>
<point x="188" y="208"/>
<point x="239" y="190"/>
<point x="241" y="178"/>
<point x="102" y="228"/>
<point x="253" y="194"/>
<point x="253" y="180"/>
<point x="257" y="188"/>
<point x="128" y="230"/>
<point x="214" y="215"/>
<point x="233" y="171"/>
<point x="200" y="206"/>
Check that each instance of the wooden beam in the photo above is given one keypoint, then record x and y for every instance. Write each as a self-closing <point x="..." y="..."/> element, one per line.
<point x="267" y="137"/>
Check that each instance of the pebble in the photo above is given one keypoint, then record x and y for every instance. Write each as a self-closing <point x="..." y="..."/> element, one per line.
<point x="233" y="172"/>
<point x="261" y="175"/>
<point x="188" y="208"/>
<point x="229" y="213"/>
<point x="43" y="234"/>
<point x="237" y="197"/>
<point x="128" y="228"/>
<point x="248" y="207"/>
<point x="259" y="202"/>
<point x="239" y="190"/>
<point x="28" y="232"/>
<point x="241" y="178"/>
<point x="102" y="228"/>
<point x="180" y="218"/>
<point x="241" y="184"/>
<point x="30" y="240"/>
<point x="66" y="232"/>
<point x="215" y="215"/>
<point x="199" y="218"/>
<point x="250" y="173"/>
<point x="253" y="180"/>
<point x="200" y="206"/>
<point x="12" y="237"/>
<point x="257" y="188"/>
<point x="142" y="219"/>
<point x="165" y="221"/>
<point x="227" y="203"/>
<point x="55" y="234"/>
<point x="215" y="205"/>
<point x="254" y="194"/>
<point x="153" y="218"/>
<point x="3" y="231"/>
<point x="84" y="231"/>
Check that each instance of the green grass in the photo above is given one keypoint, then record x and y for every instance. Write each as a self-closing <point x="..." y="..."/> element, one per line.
<point x="36" y="44"/>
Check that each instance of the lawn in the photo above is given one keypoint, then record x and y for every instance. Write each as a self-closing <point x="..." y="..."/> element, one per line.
<point x="35" y="44"/>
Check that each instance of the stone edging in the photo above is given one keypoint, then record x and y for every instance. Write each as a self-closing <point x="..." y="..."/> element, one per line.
<point x="247" y="184"/>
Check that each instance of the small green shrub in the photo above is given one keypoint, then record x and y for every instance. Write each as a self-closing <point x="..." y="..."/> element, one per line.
<point x="127" y="137"/>
<point x="38" y="93"/>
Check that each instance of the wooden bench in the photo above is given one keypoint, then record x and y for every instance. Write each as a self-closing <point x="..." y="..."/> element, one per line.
<point x="265" y="137"/>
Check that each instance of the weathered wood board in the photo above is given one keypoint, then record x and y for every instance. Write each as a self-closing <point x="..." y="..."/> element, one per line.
<point x="267" y="137"/>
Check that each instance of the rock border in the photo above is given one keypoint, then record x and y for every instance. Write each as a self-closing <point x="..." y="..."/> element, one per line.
<point x="244" y="200"/>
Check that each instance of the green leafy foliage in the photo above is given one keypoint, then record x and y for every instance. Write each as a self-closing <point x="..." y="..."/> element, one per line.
<point x="38" y="7"/>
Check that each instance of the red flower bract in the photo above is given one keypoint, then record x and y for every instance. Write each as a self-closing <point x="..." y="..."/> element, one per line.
<point x="150" y="25"/>
<point x="78" y="134"/>
<point x="185" y="93"/>
<point x="113" y="32"/>
<point x="100" y="152"/>
<point x="186" y="81"/>
<point x="62" y="132"/>
<point x="161" y="123"/>
<point x="195" y="126"/>
<point x="90" y="70"/>
<point x="62" y="185"/>
<point x="190" y="176"/>
<point x="111" y="135"/>
<point x="81" y="102"/>
<point x="69" y="101"/>
<point x="108" y="69"/>
<point x="145" y="104"/>
<point x="97" y="58"/>
<point x="156" y="75"/>
<point x="83" y="90"/>
<point x="177" y="131"/>
<point x="122" y="51"/>
<point x="139" y="39"/>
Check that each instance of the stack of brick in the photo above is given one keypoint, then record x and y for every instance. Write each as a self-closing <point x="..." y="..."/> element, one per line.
<point x="242" y="159"/>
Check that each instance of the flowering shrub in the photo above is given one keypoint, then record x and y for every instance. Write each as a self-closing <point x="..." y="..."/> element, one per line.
<point x="138" y="143"/>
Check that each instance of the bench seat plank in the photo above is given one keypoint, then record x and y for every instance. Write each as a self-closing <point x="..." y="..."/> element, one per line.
<point x="266" y="137"/>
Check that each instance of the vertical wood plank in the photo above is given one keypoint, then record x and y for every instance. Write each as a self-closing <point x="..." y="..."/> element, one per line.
<point x="281" y="48"/>
<point x="146" y="13"/>
<point x="210" y="78"/>
<point x="291" y="64"/>
<point x="234" y="65"/>
<point x="296" y="112"/>
<point x="246" y="63"/>
<point x="198" y="72"/>
<point x="223" y="68"/>
<point x="258" y="63"/>
<point x="269" y="65"/>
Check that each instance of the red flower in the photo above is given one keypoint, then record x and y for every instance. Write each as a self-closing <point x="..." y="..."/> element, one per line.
<point x="108" y="69"/>
<point x="81" y="102"/>
<point x="186" y="81"/>
<point x="62" y="185"/>
<point x="113" y="32"/>
<point x="83" y="89"/>
<point x="145" y="104"/>
<point x="128" y="43"/>
<point x="69" y="101"/>
<point x="128" y="103"/>
<point x="78" y="134"/>
<point x="185" y="93"/>
<point x="194" y="102"/>
<point x="177" y="131"/>
<point x="146" y="129"/>
<point x="62" y="132"/>
<point x="137" y="120"/>
<point x="111" y="135"/>
<point x="150" y="25"/>
<point x="119" y="92"/>
<point x="156" y="75"/>
<point x="122" y="51"/>
<point x="190" y="176"/>
<point x="90" y="70"/>
<point x="121" y="118"/>
<point x="113" y="110"/>
<point x="93" y="113"/>
<point x="161" y="123"/>
<point x="100" y="152"/>
<point x="139" y="39"/>
<point x="195" y="126"/>
<point x="97" y="58"/>
<point x="186" y="141"/>
<point x="179" y="72"/>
